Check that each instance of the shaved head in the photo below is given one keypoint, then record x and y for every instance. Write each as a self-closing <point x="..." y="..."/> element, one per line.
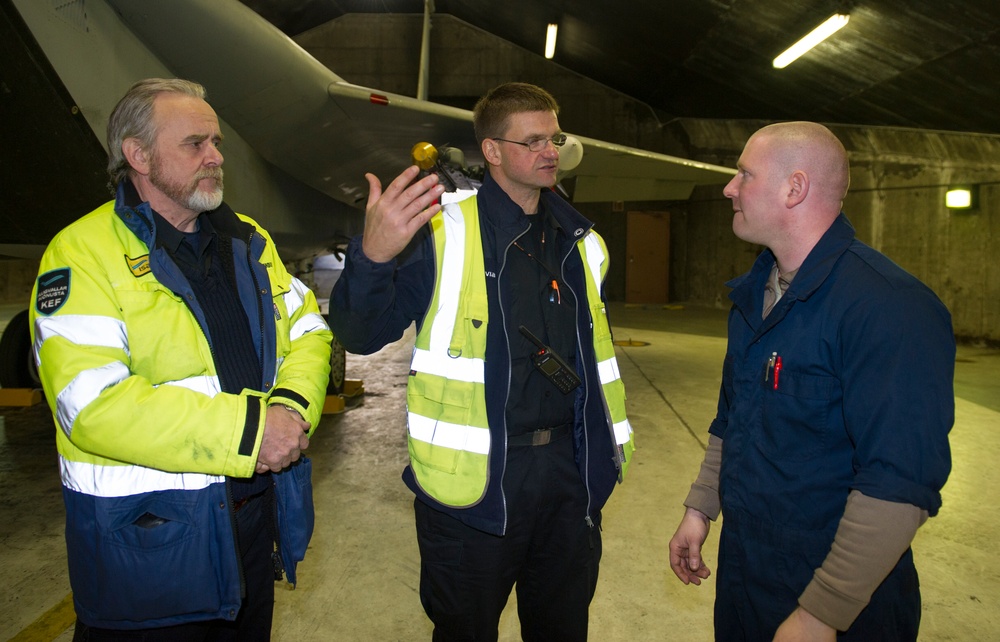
<point x="812" y="148"/>
<point x="789" y="188"/>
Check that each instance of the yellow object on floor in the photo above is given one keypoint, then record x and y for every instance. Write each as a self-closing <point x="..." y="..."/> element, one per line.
<point x="353" y="395"/>
<point x="20" y="396"/>
<point x="51" y="624"/>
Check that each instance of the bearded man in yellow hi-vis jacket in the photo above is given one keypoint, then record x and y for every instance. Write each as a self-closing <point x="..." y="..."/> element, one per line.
<point x="186" y="370"/>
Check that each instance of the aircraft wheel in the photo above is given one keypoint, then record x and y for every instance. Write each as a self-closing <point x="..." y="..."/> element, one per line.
<point x="338" y="368"/>
<point x="17" y="364"/>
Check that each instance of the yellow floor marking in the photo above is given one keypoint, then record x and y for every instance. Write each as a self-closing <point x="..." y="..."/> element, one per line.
<point x="50" y="624"/>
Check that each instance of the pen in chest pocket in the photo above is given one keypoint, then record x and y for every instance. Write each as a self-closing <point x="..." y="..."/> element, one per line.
<point x="773" y="365"/>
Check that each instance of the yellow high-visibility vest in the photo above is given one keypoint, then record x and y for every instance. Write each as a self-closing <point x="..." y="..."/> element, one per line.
<point x="447" y="423"/>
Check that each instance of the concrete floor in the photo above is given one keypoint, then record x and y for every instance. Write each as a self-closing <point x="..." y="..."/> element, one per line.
<point x="359" y="579"/>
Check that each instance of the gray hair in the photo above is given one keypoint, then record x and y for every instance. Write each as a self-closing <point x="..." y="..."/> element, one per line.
<point x="132" y="117"/>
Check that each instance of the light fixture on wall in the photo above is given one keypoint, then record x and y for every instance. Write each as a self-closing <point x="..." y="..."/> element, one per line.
<point x="550" y="40"/>
<point x="832" y="25"/>
<point x="961" y="197"/>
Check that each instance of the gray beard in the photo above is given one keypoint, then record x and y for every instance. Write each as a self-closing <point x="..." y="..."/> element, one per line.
<point x="191" y="197"/>
<point x="200" y="201"/>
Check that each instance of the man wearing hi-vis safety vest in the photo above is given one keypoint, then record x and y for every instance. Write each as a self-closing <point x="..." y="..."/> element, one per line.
<point x="515" y="408"/>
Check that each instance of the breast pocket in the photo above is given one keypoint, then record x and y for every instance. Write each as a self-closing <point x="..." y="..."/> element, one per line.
<point x="797" y="417"/>
<point x="145" y="314"/>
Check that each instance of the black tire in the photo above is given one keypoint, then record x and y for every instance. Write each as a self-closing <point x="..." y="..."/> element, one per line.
<point x="338" y="368"/>
<point x="17" y="366"/>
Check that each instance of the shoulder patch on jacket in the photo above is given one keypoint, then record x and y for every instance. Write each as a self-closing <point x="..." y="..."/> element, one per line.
<point x="53" y="290"/>
<point x="139" y="265"/>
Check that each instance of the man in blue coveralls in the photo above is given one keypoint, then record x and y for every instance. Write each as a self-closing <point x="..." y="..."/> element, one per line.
<point x="830" y="446"/>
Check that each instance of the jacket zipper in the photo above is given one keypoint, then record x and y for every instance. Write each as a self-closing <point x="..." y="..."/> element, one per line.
<point x="260" y="293"/>
<point x="276" y="563"/>
<point x="236" y="538"/>
<point x="586" y="383"/>
<point x="503" y="323"/>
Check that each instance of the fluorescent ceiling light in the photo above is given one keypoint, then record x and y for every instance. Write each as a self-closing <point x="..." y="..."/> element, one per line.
<point x="833" y="24"/>
<point x="550" y="40"/>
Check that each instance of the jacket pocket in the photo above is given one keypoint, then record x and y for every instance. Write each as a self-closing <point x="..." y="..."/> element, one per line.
<point x="599" y="320"/>
<point x="795" y="423"/>
<point x="155" y="559"/>
<point x="446" y="421"/>
<point x="145" y="313"/>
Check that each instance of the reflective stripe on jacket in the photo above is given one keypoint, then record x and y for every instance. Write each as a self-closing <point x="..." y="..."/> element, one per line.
<point x="448" y="426"/>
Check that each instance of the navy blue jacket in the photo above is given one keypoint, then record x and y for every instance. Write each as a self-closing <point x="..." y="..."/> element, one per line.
<point x="372" y="305"/>
<point x="864" y="398"/>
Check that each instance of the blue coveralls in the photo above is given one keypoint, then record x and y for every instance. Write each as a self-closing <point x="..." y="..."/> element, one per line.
<point x="864" y="401"/>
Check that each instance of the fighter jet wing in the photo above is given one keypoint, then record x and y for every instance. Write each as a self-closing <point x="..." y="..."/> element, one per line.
<point x="609" y="172"/>
<point x="306" y="120"/>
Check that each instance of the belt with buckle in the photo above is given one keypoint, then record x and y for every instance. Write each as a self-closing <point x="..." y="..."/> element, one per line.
<point x="540" y="437"/>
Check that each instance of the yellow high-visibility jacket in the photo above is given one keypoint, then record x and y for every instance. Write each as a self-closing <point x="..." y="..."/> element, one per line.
<point x="142" y="424"/>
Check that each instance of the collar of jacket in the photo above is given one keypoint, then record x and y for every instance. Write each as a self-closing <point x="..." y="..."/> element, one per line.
<point x="507" y="216"/>
<point x="137" y="216"/>
<point x="748" y="289"/>
<point x="170" y="237"/>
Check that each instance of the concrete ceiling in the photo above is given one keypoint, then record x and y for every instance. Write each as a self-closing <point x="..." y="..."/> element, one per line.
<point x="931" y="64"/>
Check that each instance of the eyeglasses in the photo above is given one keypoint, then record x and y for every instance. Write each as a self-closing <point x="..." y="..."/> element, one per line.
<point x="538" y="144"/>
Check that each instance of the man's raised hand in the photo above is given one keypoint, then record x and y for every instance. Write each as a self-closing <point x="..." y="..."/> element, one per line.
<point x="393" y="217"/>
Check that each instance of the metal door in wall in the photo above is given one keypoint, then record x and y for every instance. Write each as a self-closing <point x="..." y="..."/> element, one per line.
<point x="647" y="270"/>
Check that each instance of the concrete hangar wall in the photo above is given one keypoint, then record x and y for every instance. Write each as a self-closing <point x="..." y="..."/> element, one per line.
<point x="896" y="204"/>
<point x="898" y="176"/>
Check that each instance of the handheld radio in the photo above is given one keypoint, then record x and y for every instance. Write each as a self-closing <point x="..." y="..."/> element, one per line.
<point x="552" y="365"/>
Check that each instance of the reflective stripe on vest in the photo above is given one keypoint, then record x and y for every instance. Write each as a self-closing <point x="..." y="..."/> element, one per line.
<point x="595" y="253"/>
